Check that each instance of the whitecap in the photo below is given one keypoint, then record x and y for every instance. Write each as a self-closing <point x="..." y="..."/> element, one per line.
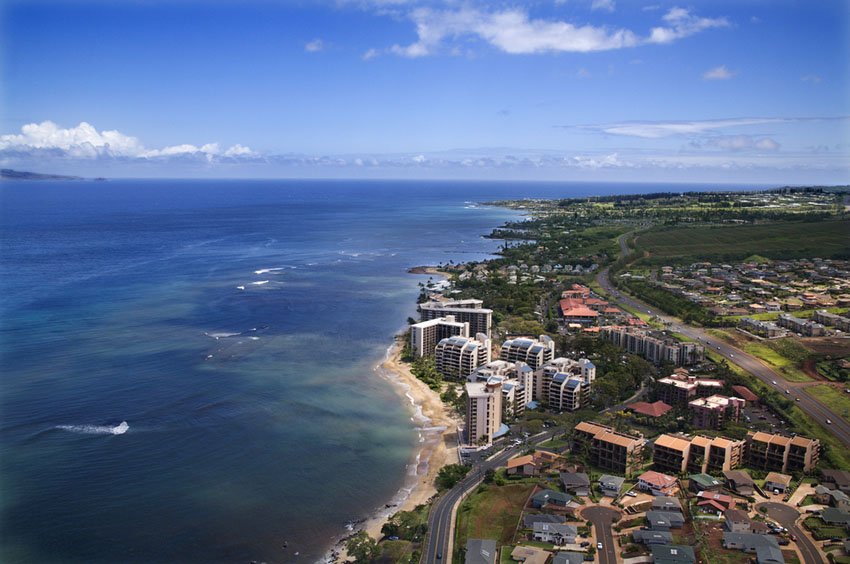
<point x="221" y="335"/>
<point x="240" y="287"/>
<point x="119" y="429"/>
<point x="260" y="282"/>
<point x="267" y="270"/>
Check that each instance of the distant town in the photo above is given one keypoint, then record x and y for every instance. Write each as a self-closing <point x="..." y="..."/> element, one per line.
<point x="608" y="406"/>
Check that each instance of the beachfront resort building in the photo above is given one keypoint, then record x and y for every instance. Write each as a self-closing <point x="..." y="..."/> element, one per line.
<point x="457" y="357"/>
<point x="607" y="449"/>
<point x="479" y="318"/>
<point x="654" y="347"/>
<point x="483" y="411"/>
<point x="681" y="454"/>
<point x="533" y="352"/>
<point x="564" y="384"/>
<point x="425" y="335"/>
<point x="782" y="454"/>
<point x="517" y="384"/>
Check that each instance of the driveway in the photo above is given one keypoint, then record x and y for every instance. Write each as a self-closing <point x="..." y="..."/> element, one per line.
<point x="787" y="517"/>
<point x="603" y="518"/>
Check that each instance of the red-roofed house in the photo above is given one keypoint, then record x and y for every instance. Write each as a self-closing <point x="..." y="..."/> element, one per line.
<point x="655" y="409"/>
<point x="711" y="502"/>
<point x="656" y="483"/>
<point x="746" y="394"/>
<point x="580" y="314"/>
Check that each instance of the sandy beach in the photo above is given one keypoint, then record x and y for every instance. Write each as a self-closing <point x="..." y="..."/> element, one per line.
<point x="437" y="428"/>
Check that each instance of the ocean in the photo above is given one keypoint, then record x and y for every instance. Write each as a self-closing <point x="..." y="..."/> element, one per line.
<point x="188" y="366"/>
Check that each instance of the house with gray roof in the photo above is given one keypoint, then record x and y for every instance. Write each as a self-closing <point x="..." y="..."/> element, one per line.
<point x="576" y="482"/>
<point x="550" y="497"/>
<point x="672" y="554"/>
<point x="481" y="551"/>
<point x="611" y="485"/>
<point x="748" y="542"/>
<point x="833" y="516"/>
<point x="556" y="533"/>
<point x="737" y="521"/>
<point x="666" y="503"/>
<point x="652" y="537"/>
<point x="739" y="482"/>
<point x="664" y="520"/>
<point x="567" y="557"/>
<point x="769" y="555"/>
<point x="836" y="480"/>
<point x="530" y="520"/>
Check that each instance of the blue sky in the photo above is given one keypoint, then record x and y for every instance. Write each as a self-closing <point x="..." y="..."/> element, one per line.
<point x="720" y="91"/>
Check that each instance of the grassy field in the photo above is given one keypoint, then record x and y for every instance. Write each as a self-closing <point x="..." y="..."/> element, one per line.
<point x="492" y="512"/>
<point x="785" y="355"/>
<point x="833" y="398"/>
<point x="773" y="240"/>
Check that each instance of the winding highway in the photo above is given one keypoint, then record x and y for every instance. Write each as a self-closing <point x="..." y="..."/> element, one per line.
<point x="438" y="547"/>
<point x="830" y="421"/>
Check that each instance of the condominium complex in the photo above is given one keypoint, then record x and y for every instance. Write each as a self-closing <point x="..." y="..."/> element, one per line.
<point x="466" y="311"/>
<point x="483" y="411"/>
<point x="714" y="412"/>
<point x="533" y="352"/>
<point x="458" y="357"/>
<point x="762" y="328"/>
<point x="652" y="347"/>
<point x="693" y="455"/>
<point x="564" y="384"/>
<point x="840" y="322"/>
<point x="517" y="384"/>
<point x="805" y="327"/>
<point x="607" y="449"/>
<point x="424" y="336"/>
<point x="681" y="387"/>
<point x="782" y="454"/>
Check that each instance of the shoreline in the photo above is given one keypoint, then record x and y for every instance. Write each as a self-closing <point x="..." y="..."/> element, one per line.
<point x="436" y="426"/>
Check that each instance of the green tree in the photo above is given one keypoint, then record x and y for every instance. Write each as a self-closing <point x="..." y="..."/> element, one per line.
<point x="451" y="475"/>
<point x="362" y="548"/>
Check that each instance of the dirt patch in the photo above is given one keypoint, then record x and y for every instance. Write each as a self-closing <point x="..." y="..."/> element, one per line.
<point x="810" y="368"/>
<point x="830" y="346"/>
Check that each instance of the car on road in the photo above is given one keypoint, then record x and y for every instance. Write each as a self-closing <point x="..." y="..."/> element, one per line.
<point x="439" y="556"/>
<point x="829" y="421"/>
<point x="796" y="399"/>
<point x="773" y="382"/>
<point x="599" y="546"/>
<point x="787" y="391"/>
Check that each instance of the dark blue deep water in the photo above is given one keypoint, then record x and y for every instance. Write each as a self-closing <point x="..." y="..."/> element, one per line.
<point x="234" y="327"/>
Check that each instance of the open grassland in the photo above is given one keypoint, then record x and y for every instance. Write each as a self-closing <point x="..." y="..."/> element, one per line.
<point x="774" y="240"/>
<point x="832" y="397"/>
<point x="491" y="512"/>
<point x="785" y="355"/>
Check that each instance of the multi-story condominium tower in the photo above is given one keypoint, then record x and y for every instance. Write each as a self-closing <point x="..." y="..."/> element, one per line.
<point x="517" y="383"/>
<point x="483" y="410"/>
<point x="458" y="357"/>
<point x="680" y="388"/>
<point x="608" y="449"/>
<point x="715" y="411"/>
<point x="805" y="327"/>
<point x="654" y="348"/>
<point x="782" y="454"/>
<point x="694" y="455"/>
<point x="534" y="353"/>
<point x="425" y="335"/>
<point x="564" y="384"/>
<point x="467" y="311"/>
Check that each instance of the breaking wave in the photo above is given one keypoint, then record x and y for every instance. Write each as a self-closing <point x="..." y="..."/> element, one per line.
<point x="119" y="429"/>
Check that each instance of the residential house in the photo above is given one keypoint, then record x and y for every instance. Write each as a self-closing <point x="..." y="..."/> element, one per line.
<point x="655" y="409"/>
<point x="529" y="520"/>
<point x="711" y="502"/>
<point x="576" y="482"/>
<point x="748" y="542"/>
<point x="481" y="551"/>
<point x="672" y="554"/>
<point x="530" y="555"/>
<point x="834" y="516"/>
<point x="833" y="498"/>
<point x="550" y="497"/>
<point x="836" y="479"/>
<point x="568" y="557"/>
<point x="656" y="483"/>
<point x="739" y="482"/>
<point x="611" y="485"/>
<point x="555" y="533"/>
<point x="522" y="466"/>
<point x="776" y="482"/>
<point x="737" y="521"/>
<point x="649" y="538"/>
<point x="666" y="503"/>
<point x="664" y="520"/>
<point x="704" y="483"/>
<point x="769" y="555"/>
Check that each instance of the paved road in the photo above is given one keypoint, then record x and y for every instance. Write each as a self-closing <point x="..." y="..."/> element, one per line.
<point x="603" y="519"/>
<point x="787" y="517"/>
<point x="440" y="526"/>
<point x="813" y="408"/>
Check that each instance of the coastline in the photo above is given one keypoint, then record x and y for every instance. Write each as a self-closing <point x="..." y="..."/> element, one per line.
<point x="436" y="426"/>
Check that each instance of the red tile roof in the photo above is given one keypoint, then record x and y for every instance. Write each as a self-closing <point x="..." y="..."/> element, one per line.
<point x="656" y="409"/>
<point x="745" y="393"/>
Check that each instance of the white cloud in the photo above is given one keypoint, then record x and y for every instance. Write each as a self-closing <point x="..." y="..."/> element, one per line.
<point x="681" y="23"/>
<point x="811" y="78"/>
<point x="718" y="73"/>
<point x="370" y="54"/>
<point x="738" y="143"/>
<point x="86" y="142"/>
<point x="659" y="129"/>
<point x="314" y="46"/>
<point x="607" y="5"/>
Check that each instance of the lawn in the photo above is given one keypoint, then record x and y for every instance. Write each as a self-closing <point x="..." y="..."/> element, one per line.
<point x="554" y="445"/>
<point x="771" y="356"/>
<point x="774" y="240"/>
<point x="492" y="512"/>
<point x="835" y="399"/>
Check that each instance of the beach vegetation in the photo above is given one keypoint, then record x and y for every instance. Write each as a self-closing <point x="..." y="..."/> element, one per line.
<point x="362" y="547"/>
<point x="450" y="475"/>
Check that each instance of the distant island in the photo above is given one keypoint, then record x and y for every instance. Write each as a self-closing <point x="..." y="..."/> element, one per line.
<point x="9" y="174"/>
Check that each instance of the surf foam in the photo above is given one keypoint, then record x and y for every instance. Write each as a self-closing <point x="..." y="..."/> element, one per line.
<point x="119" y="429"/>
